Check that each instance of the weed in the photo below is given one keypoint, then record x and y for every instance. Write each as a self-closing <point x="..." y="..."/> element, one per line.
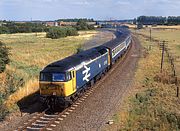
<point x="3" y="113"/>
<point x="116" y="118"/>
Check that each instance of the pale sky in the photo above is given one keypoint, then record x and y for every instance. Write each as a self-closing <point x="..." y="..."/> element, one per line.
<point x="97" y="9"/>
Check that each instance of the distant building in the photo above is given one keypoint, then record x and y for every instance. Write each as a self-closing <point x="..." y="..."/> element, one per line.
<point x="2" y="23"/>
<point x="62" y="23"/>
<point x="109" y="24"/>
<point x="51" y="23"/>
<point x="33" y="22"/>
<point x="91" y="23"/>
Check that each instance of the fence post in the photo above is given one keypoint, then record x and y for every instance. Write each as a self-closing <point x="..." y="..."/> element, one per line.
<point x="150" y="32"/>
<point x="177" y="85"/>
<point x="162" y="57"/>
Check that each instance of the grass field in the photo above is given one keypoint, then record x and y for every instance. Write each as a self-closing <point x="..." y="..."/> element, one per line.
<point x="30" y="52"/>
<point x="170" y="35"/>
<point x="152" y="104"/>
<point x="176" y="27"/>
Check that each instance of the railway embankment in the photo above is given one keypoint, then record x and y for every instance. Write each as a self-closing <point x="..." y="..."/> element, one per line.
<point x="153" y="103"/>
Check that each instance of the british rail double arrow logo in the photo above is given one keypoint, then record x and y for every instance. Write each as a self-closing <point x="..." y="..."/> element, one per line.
<point x="86" y="72"/>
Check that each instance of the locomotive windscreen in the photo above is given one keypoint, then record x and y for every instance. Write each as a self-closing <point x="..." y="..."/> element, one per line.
<point x="54" y="77"/>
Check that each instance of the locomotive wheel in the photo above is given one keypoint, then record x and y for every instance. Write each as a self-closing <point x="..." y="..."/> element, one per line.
<point x="68" y="103"/>
<point x="51" y="102"/>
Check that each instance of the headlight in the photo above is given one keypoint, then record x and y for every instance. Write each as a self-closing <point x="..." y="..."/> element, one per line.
<point x="54" y="93"/>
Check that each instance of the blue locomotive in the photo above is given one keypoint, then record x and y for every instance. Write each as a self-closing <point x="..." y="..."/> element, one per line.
<point x="65" y="79"/>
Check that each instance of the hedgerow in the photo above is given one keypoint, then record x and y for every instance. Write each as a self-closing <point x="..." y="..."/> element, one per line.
<point x="4" y="56"/>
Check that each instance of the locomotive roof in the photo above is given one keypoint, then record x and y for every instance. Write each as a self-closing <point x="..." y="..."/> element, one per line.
<point x="75" y="60"/>
<point x="121" y="35"/>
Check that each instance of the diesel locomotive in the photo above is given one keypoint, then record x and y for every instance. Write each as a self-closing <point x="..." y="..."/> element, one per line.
<point x="62" y="81"/>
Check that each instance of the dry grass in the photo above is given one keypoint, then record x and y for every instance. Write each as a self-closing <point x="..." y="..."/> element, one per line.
<point x="38" y="51"/>
<point x="30" y="52"/>
<point x="29" y="88"/>
<point x="176" y="27"/>
<point x="170" y="35"/>
<point x="151" y="105"/>
<point x="166" y="27"/>
<point x="131" y="26"/>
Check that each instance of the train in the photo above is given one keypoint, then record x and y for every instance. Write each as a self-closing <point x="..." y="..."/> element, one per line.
<point x="64" y="80"/>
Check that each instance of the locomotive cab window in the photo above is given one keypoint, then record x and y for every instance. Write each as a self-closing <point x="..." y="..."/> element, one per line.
<point x="45" y="77"/>
<point x="73" y="74"/>
<point x="55" y="77"/>
<point x="58" y="77"/>
<point x="68" y="76"/>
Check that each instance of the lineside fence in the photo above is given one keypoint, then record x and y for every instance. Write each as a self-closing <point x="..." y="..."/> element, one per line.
<point x="172" y="59"/>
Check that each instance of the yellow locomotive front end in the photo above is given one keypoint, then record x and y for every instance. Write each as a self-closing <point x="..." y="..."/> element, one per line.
<point x="61" y="84"/>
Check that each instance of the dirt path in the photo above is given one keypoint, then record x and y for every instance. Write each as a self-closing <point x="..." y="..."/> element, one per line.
<point x="106" y="99"/>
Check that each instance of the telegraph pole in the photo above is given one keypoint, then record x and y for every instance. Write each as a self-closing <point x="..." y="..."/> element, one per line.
<point x="150" y="39"/>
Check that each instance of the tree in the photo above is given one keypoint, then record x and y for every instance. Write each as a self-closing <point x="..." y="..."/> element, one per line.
<point x="82" y="25"/>
<point x="134" y="21"/>
<point x="172" y="20"/>
<point x="4" y="57"/>
<point x="11" y="27"/>
<point x="58" y="32"/>
<point x="4" y="30"/>
<point x="76" y="20"/>
<point x="151" y="20"/>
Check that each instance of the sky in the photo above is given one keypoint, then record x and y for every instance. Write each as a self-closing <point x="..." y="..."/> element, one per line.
<point x="97" y="9"/>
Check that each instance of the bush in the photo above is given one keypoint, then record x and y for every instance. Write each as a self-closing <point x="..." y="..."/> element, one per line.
<point x="57" y="32"/>
<point x="11" y="27"/>
<point x="13" y="82"/>
<point x="82" y="25"/>
<point x="4" y="30"/>
<point x="4" y="57"/>
<point x="79" y="49"/>
<point x="71" y="32"/>
<point x="91" y="27"/>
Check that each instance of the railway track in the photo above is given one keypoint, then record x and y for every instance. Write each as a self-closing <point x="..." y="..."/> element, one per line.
<point x="47" y="120"/>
